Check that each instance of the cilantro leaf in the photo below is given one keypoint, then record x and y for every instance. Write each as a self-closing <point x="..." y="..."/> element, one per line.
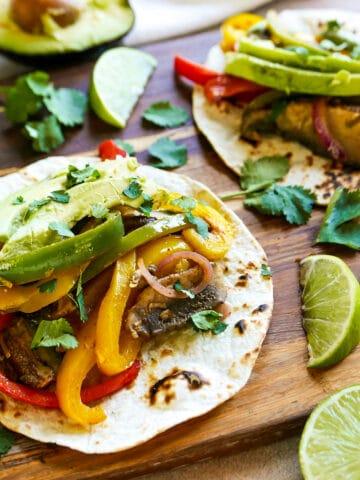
<point x="67" y="105"/>
<point x="59" y="196"/>
<point x="61" y="228"/>
<point x="147" y="205"/>
<point x="46" y="134"/>
<point x="25" y="97"/>
<point x="98" y="210"/>
<point x="201" y="226"/>
<point x="54" y="333"/>
<point x="80" y="301"/>
<point x="257" y="175"/>
<point x="186" y="204"/>
<point x="265" y="270"/>
<point x="208" y="320"/>
<point x="126" y="146"/>
<point x="295" y="203"/>
<point x="39" y="83"/>
<point x="165" y="114"/>
<point x="169" y="153"/>
<point x="179" y="288"/>
<point x="18" y="200"/>
<point x="33" y="206"/>
<point x="7" y="440"/>
<point x="339" y="224"/>
<point x="133" y="190"/>
<point x="76" y="176"/>
<point x="48" y="287"/>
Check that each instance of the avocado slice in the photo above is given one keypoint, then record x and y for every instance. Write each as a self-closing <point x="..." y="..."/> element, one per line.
<point x="267" y="50"/>
<point x="291" y="79"/>
<point x="100" y="21"/>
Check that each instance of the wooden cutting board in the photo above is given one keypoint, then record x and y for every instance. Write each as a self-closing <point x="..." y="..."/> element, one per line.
<point x="281" y="391"/>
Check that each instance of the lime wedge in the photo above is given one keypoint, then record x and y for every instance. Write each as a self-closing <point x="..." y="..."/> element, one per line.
<point x="331" y="309"/>
<point x="119" y="78"/>
<point x="330" y="443"/>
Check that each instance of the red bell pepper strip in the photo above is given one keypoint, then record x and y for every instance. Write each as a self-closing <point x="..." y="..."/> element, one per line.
<point x="5" y="319"/>
<point x="217" y="85"/>
<point x="108" y="150"/>
<point x="89" y="394"/>
<point x="193" y="71"/>
<point x="226" y="86"/>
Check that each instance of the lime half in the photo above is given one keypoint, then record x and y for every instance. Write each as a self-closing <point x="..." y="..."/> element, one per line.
<point x="331" y="309"/>
<point x="118" y="80"/>
<point x="330" y="443"/>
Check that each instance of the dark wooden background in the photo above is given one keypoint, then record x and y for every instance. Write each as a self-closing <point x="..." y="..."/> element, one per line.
<point x="281" y="391"/>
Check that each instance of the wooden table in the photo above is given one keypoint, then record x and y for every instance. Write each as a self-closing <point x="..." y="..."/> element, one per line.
<point x="281" y="391"/>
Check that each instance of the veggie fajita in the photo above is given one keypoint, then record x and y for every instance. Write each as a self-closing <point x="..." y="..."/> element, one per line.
<point x="287" y="84"/>
<point x="131" y="300"/>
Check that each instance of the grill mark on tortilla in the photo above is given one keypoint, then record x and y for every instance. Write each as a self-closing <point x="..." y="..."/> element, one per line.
<point x="194" y="379"/>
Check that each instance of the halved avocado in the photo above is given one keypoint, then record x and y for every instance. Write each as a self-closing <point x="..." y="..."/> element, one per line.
<point x="101" y="21"/>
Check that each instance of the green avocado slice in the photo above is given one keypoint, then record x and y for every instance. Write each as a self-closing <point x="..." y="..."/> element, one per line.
<point x="290" y="79"/>
<point x="98" y="23"/>
<point x="266" y="50"/>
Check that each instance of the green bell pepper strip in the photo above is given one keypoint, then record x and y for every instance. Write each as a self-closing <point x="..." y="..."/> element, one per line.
<point x="332" y="63"/>
<point x="58" y="256"/>
<point x="150" y="231"/>
<point x="290" y="79"/>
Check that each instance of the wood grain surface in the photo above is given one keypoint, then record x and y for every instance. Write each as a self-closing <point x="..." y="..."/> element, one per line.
<point x="281" y="391"/>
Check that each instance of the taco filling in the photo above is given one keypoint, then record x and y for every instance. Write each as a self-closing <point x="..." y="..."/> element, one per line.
<point x="294" y="77"/>
<point x="110" y="280"/>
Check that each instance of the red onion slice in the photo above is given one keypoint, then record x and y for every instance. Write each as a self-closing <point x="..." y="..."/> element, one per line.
<point x="334" y="147"/>
<point x="156" y="284"/>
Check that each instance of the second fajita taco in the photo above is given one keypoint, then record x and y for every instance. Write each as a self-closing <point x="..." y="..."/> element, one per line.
<point x="132" y="300"/>
<point x="291" y="87"/>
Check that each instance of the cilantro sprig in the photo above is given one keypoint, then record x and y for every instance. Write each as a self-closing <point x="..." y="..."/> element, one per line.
<point x="258" y="186"/>
<point x="340" y="223"/>
<point x="33" y="95"/>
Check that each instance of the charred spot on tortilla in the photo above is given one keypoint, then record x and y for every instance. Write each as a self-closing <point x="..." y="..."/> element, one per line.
<point x="241" y="326"/>
<point x="261" y="308"/>
<point x="243" y="280"/>
<point x="194" y="380"/>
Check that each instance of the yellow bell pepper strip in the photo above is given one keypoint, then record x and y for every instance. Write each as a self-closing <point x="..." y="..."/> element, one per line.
<point x="74" y="368"/>
<point x="220" y="234"/>
<point x="73" y="251"/>
<point x="109" y="329"/>
<point x="29" y="298"/>
<point x="140" y="236"/>
<point x="155" y="251"/>
<point x="235" y="27"/>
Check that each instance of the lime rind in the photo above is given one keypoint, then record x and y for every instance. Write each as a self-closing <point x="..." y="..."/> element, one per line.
<point x="331" y="309"/>
<point x="330" y="443"/>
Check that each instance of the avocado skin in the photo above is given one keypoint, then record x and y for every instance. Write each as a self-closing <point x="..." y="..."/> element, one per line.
<point x="96" y="29"/>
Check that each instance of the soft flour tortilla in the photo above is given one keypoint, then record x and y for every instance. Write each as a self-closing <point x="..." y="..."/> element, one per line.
<point x="223" y="362"/>
<point x="220" y="123"/>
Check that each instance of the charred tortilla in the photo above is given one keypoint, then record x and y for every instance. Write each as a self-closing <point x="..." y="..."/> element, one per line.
<point x="184" y="373"/>
<point x="221" y="124"/>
